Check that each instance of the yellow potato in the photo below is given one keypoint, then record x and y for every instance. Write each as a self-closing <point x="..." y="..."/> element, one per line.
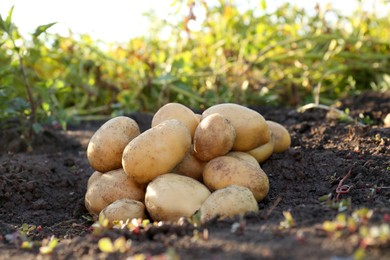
<point x="214" y="136"/>
<point x="156" y="151"/>
<point x="251" y="128"/>
<point x="386" y="120"/>
<point x="281" y="136"/>
<point x="122" y="210"/>
<point x="105" y="147"/>
<point x="228" y="202"/>
<point x="263" y="152"/>
<point x="244" y="156"/>
<point x="224" y="171"/>
<point x="109" y="187"/>
<point x="171" y="196"/>
<point x="94" y="176"/>
<point x="179" y="112"/>
<point x="198" y="116"/>
<point x="191" y="166"/>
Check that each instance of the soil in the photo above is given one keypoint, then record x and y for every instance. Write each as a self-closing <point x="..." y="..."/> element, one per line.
<point x="43" y="189"/>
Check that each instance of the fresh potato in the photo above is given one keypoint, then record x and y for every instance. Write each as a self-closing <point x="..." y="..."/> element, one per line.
<point x="251" y="128"/>
<point x="156" y="151"/>
<point x="94" y="176"/>
<point x="198" y="116"/>
<point x="214" y="136"/>
<point x="244" y="156"/>
<point x="122" y="210"/>
<point x="109" y="187"/>
<point x="179" y="112"/>
<point x="281" y="136"/>
<point x="191" y="166"/>
<point x="224" y="171"/>
<point x="171" y="196"/>
<point x="105" y="148"/>
<point x="386" y="120"/>
<point x="228" y="202"/>
<point x="263" y="152"/>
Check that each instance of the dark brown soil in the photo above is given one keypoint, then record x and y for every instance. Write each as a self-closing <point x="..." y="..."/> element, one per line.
<point x="46" y="187"/>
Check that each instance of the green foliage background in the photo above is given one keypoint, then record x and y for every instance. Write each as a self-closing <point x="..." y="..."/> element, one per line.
<point x="289" y="57"/>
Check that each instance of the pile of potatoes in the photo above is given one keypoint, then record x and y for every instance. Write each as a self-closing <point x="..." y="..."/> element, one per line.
<point x="185" y="163"/>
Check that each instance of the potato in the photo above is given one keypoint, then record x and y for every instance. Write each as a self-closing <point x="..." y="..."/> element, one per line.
<point x="263" y="152"/>
<point x="171" y="196"/>
<point x="228" y="202"/>
<point x="109" y="187"/>
<point x="214" y="136"/>
<point x="122" y="210"/>
<point x="225" y="170"/>
<point x="179" y="112"/>
<point x="94" y="176"/>
<point x="251" y="128"/>
<point x="105" y="147"/>
<point x="190" y="166"/>
<point x="244" y="156"/>
<point x="156" y="151"/>
<point x="386" y="120"/>
<point x="281" y="136"/>
<point x="198" y="116"/>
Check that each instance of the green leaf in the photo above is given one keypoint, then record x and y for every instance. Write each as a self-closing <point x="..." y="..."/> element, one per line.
<point x="325" y="197"/>
<point x="26" y="245"/>
<point x="42" y="28"/>
<point x="5" y="25"/>
<point x="263" y="4"/>
<point x="37" y="128"/>
<point x="105" y="245"/>
<point x="53" y="243"/>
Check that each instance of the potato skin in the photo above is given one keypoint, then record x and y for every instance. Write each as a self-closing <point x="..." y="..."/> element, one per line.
<point x="251" y="128"/>
<point x="105" y="147"/>
<point x="109" y="187"/>
<point x="281" y="136"/>
<point x="224" y="171"/>
<point x="156" y="151"/>
<point x="214" y="136"/>
<point x="179" y="112"/>
<point x="94" y="176"/>
<point x="171" y="196"/>
<point x="123" y="209"/>
<point x="228" y="202"/>
<point x="190" y="166"/>
<point x="263" y="152"/>
<point x="244" y="156"/>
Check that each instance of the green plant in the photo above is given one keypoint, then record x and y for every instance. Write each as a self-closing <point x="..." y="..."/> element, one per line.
<point x="22" y="97"/>
<point x="120" y="245"/>
<point x="48" y="245"/>
<point x="251" y="56"/>
<point x="288" y="221"/>
<point x="334" y="203"/>
<point x="358" y="226"/>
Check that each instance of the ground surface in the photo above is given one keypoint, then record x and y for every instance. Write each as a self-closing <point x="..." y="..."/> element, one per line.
<point x="46" y="188"/>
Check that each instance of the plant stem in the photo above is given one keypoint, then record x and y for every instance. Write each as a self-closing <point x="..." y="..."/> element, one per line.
<point x="27" y="85"/>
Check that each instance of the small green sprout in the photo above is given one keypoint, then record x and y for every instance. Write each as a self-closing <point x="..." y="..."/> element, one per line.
<point x="48" y="245"/>
<point x="357" y="224"/>
<point x="288" y="221"/>
<point x="120" y="245"/>
<point x="333" y="203"/>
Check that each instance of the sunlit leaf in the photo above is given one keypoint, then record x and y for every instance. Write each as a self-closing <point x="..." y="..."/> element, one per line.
<point x="26" y="245"/>
<point x="105" y="245"/>
<point x="42" y="28"/>
<point x="263" y="4"/>
<point x="6" y="24"/>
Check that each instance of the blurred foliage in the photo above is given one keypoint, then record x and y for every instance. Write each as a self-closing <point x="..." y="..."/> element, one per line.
<point x="211" y="53"/>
